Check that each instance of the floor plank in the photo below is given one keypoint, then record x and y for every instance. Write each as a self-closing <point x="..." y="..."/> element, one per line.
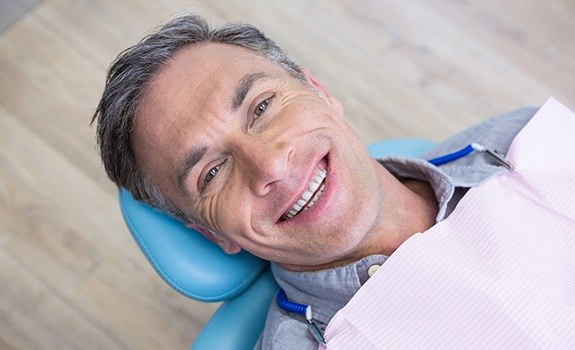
<point x="36" y="317"/>
<point x="11" y="10"/>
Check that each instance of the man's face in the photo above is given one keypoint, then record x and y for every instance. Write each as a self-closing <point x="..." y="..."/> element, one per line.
<point x="232" y="137"/>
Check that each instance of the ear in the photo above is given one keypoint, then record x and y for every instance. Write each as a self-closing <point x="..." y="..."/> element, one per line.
<point x="226" y="245"/>
<point x="312" y="80"/>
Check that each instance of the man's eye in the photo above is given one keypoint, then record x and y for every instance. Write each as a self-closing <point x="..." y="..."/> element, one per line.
<point x="261" y="108"/>
<point x="212" y="173"/>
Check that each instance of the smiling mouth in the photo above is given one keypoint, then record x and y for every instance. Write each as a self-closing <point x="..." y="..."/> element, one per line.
<point x="310" y="196"/>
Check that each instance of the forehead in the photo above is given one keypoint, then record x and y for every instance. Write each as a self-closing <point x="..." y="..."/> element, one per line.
<point x="202" y="70"/>
<point x="197" y="79"/>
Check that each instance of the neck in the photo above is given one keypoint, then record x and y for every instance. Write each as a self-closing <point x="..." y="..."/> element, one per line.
<point x="413" y="210"/>
<point x="415" y="213"/>
<point x="425" y="192"/>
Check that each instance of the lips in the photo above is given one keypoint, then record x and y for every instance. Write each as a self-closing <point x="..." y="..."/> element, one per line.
<point x="310" y="196"/>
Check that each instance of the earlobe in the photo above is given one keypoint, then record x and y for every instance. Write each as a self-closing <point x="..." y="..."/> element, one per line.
<point x="206" y="233"/>
<point x="226" y="245"/>
<point x="229" y="247"/>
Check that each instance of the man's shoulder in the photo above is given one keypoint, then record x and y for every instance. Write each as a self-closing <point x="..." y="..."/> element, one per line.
<point x="285" y="331"/>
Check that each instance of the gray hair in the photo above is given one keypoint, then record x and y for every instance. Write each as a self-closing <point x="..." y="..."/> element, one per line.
<point x="126" y="81"/>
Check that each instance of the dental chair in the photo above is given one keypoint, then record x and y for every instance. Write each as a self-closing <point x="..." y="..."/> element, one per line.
<point x="198" y="269"/>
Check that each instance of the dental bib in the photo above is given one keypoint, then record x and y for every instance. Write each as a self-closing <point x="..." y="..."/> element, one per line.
<point x="498" y="273"/>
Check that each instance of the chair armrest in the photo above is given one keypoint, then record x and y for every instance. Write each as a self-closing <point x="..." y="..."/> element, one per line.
<point x="238" y="323"/>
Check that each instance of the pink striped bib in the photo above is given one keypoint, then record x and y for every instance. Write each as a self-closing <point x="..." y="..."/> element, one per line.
<point x="498" y="273"/>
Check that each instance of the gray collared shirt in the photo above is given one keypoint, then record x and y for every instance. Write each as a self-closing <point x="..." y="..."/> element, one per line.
<point x="327" y="291"/>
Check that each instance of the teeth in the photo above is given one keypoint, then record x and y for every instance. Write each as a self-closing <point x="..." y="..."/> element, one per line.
<point x="313" y="186"/>
<point x="304" y="202"/>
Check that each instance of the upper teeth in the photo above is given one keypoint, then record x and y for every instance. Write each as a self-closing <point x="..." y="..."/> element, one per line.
<point x="304" y="202"/>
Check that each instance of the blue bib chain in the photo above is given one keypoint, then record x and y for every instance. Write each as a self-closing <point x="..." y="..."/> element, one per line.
<point x="496" y="156"/>
<point x="306" y="311"/>
<point x="301" y="309"/>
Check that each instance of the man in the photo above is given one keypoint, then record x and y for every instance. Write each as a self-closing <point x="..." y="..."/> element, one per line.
<point x="221" y="130"/>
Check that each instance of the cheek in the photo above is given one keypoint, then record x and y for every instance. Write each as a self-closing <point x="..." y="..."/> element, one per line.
<point x="305" y="110"/>
<point x="233" y="209"/>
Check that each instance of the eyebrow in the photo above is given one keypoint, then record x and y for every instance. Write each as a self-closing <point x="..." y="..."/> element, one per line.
<point x="243" y="88"/>
<point x="237" y="99"/>
<point x="192" y="158"/>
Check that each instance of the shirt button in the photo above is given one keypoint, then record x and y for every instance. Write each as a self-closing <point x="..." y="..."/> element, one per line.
<point x="373" y="269"/>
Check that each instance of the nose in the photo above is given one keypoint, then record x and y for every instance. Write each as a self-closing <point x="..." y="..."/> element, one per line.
<point x="264" y="163"/>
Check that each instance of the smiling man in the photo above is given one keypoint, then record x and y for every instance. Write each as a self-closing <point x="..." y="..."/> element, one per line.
<point x="266" y="162"/>
<point x="218" y="128"/>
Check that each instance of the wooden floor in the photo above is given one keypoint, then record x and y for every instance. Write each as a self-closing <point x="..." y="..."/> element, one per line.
<point x="71" y="277"/>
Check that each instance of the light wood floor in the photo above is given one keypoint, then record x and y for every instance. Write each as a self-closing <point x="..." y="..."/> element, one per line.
<point x="70" y="274"/>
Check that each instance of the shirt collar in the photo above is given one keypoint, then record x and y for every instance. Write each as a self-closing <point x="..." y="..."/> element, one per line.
<point x="420" y="169"/>
<point x="326" y="291"/>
